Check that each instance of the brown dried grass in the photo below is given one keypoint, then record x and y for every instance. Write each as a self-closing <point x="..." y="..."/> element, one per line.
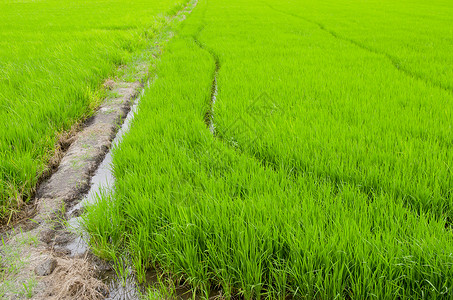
<point x="75" y="278"/>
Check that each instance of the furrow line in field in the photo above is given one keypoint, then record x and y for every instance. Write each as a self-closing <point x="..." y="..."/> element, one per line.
<point x="209" y="116"/>
<point x="393" y="60"/>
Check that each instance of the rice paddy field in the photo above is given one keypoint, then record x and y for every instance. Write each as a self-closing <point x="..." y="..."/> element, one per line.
<point x="296" y="149"/>
<point x="292" y="149"/>
<point x="54" y="56"/>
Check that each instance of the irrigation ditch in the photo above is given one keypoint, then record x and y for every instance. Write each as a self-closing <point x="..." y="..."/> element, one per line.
<point x="47" y="255"/>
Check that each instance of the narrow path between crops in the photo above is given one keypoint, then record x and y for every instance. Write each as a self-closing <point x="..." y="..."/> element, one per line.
<point x="104" y="180"/>
<point x="394" y="61"/>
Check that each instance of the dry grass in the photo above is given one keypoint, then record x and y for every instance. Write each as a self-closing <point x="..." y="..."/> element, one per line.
<point x="75" y="279"/>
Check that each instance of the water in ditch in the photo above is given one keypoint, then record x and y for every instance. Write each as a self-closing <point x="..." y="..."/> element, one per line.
<point x="103" y="179"/>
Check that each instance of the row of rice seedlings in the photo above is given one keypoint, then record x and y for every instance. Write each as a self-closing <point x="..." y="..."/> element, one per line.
<point x="220" y="219"/>
<point x="53" y="58"/>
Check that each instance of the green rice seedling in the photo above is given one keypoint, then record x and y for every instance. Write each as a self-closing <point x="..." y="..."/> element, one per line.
<point x="163" y="289"/>
<point x="106" y="235"/>
<point x="122" y="270"/>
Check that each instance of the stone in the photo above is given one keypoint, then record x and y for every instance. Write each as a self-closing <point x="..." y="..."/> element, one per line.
<point x="46" y="268"/>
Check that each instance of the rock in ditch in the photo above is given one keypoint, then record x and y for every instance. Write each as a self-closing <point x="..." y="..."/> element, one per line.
<point x="47" y="267"/>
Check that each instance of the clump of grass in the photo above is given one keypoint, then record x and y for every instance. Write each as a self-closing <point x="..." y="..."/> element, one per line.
<point x="12" y="261"/>
<point x="164" y="288"/>
<point x="28" y="287"/>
